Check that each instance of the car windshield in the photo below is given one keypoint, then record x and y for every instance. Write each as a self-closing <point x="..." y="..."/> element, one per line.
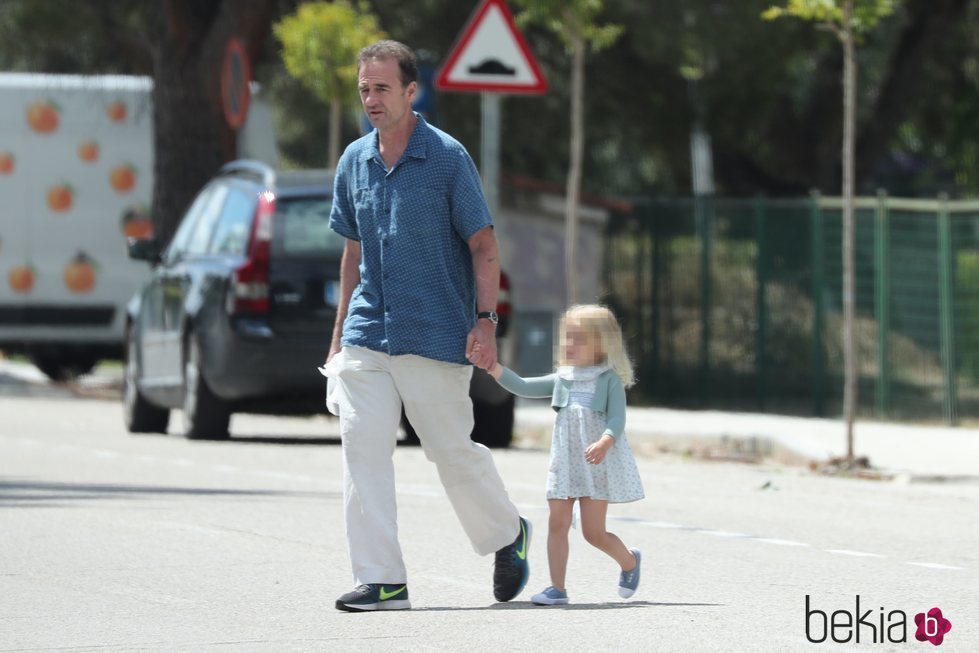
<point x="303" y="228"/>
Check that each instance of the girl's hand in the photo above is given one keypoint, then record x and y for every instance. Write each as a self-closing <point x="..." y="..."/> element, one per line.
<point x="595" y="453"/>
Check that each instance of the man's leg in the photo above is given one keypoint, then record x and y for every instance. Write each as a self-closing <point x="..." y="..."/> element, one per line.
<point x="369" y="413"/>
<point x="436" y="401"/>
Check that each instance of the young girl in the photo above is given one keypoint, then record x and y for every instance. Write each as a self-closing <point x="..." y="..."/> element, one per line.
<point x="591" y="461"/>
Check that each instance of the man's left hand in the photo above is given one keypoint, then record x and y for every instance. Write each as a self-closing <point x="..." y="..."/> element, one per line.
<point x="481" y="344"/>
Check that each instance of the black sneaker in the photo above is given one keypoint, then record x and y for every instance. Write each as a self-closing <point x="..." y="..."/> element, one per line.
<point x="511" y="569"/>
<point x="375" y="596"/>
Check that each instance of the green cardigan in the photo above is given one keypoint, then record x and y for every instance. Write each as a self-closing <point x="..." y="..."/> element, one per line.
<point x="609" y="394"/>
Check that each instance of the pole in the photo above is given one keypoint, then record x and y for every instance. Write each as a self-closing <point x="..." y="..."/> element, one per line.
<point x="489" y="161"/>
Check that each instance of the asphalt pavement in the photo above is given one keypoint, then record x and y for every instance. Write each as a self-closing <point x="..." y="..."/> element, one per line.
<point x="890" y="450"/>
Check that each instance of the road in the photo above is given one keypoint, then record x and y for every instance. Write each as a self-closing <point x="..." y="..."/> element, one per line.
<point x="113" y="542"/>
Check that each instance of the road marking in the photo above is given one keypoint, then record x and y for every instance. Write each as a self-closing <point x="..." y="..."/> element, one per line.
<point x="860" y="554"/>
<point x="776" y="541"/>
<point x="934" y="565"/>
<point x="707" y="531"/>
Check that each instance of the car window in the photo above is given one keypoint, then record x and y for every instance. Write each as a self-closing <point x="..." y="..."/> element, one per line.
<point x="234" y="225"/>
<point x="302" y="228"/>
<point x="178" y="245"/>
<point x="201" y="235"/>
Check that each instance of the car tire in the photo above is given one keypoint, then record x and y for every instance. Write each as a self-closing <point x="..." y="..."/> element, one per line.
<point x="63" y="366"/>
<point x="494" y="423"/>
<point x="139" y="415"/>
<point x="206" y="416"/>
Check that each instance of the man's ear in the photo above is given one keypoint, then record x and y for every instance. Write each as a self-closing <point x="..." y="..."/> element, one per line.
<point x="412" y="90"/>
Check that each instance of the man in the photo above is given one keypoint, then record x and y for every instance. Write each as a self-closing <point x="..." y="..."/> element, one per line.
<point x="418" y="287"/>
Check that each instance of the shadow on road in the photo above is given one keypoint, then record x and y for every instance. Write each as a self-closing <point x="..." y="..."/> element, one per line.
<point x="17" y="492"/>
<point x="524" y="605"/>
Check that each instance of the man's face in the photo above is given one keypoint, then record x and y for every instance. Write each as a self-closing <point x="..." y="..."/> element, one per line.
<point x="386" y="102"/>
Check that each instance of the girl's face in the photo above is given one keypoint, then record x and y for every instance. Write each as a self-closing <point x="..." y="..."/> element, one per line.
<point x="581" y="347"/>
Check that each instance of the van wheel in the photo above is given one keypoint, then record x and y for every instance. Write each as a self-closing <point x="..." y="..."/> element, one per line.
<point x="206" y="417"/>
<point x="493" y="423"/>
<point x="139" y="415"/>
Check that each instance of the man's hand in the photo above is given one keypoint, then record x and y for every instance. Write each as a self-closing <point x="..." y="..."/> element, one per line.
<point x="481" y="345"/>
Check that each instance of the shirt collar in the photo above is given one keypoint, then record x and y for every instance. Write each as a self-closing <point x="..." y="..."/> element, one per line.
<point x="417" y="144"/>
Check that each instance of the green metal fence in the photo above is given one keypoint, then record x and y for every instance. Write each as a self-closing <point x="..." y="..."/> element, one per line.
<point x="737" y="304"/>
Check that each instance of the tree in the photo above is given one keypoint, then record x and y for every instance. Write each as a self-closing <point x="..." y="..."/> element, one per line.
<point x="191" y="137"/>
<point x="847" y="22"/>
<point x="320" y="43"/>
<point x="575" y="24"/>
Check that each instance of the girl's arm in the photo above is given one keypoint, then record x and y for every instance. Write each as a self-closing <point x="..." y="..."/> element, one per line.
<point x="615" y="415"/>
<point x="538" y="387"/>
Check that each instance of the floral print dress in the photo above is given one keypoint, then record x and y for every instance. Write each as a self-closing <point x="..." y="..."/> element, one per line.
<point x="616" y="479"/>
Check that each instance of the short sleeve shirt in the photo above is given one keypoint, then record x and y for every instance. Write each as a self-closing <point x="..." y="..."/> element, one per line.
<point x="416" y="293"/>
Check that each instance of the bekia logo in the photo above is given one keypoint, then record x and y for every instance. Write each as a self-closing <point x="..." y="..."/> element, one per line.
<point x="886" y="626"/>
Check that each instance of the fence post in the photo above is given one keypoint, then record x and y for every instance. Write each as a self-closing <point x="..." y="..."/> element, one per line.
<point x="761" y="309"/>
<point x="946" y="309"/>
<point x="883" y="305"/>
<point x="703" y="210"/>
<point x="818" y="280"/>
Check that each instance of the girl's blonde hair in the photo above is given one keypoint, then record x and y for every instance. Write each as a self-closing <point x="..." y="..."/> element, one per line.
<point x="599" y="320"/>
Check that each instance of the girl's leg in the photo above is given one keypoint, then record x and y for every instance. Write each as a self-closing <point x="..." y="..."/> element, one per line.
<point x="593" y="527"/>
<point x="558" y="526"/>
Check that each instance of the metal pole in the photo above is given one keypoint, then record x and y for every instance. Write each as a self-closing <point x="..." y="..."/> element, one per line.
<point x="489" y="160"/>
<point x="761" y="305"/>
<point x="946" y="315"/>
<point x="883" y="292"/>
<point x="818" y="281"/>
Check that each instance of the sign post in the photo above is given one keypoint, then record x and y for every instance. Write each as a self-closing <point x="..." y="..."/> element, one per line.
<point x="491" y="57"/>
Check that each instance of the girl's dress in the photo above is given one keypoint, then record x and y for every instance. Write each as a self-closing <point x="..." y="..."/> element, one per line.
<point x="616" y="479"/>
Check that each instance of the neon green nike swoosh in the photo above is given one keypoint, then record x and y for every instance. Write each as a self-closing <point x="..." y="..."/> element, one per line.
<point x="387" y="595"/>
<point x="522" y="551"/>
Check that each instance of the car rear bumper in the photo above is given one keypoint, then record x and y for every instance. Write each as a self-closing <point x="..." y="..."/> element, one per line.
<point x="251" y="364"/>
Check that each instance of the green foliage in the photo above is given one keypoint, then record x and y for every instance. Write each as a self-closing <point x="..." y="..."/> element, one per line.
<point x="866" y="13"/>
<point x="320" y="43"/>
<point x="570" y="19"/>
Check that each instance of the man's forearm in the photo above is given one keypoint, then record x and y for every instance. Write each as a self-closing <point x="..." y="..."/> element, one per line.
<point x="486" y="268"/>
<point x="349" y="278"/>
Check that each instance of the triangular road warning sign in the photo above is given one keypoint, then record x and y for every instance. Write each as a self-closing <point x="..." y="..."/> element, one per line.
<point x="491" y="55"/>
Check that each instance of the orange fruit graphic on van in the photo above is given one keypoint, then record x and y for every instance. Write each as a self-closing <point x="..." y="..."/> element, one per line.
<point x="136" y="223"/>
<point x="21" y="279"/>
<point x="43" y="117"/>
<point x="88" y="151"/>
<point x="117" y="111"/>
<point x="79" y="274"/>
<point x="59" y="197"/>
<point x="6" y="163"/>
<point x="123" y="178"/>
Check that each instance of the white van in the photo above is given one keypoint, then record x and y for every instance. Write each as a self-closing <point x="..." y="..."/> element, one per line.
<point x="76" y="178"/>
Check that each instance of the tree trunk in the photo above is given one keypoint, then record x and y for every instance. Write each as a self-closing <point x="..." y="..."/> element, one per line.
<point x="573" y="189"/>
<point x="336" y="112"/>
<point x="849" y="228"/>
<point x="191" y="138"/>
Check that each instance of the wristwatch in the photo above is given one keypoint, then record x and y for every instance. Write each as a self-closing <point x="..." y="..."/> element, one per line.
<point x="489" y="315"/>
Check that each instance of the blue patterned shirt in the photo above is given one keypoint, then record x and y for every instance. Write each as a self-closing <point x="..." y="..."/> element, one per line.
<point x="416" y="293"/>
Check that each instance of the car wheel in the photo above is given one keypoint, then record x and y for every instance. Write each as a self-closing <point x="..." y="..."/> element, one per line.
<point x="206" y="417"/>
<point x="60" y="366"/>
<point x="493" y="423"/>
<point x="140" y="415"/>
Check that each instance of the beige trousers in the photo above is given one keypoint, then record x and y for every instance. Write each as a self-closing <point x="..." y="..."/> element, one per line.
<point x="372" y="387"/>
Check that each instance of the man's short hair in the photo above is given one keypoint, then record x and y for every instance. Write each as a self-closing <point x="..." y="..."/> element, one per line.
<point x="388" y="49"/>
